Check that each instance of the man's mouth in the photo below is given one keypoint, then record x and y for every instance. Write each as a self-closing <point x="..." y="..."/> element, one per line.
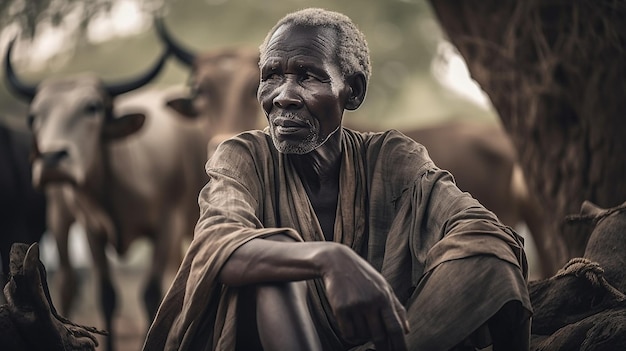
<point x="285" y="125"/>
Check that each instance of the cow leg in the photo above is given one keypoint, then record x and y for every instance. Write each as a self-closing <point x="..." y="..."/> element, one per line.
<point x="152" y="291"/>
<point x="97" y="244"/>
<point x="59" y="221"/>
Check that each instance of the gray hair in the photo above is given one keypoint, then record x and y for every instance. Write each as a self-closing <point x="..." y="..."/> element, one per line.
<point x="352" y="50"/>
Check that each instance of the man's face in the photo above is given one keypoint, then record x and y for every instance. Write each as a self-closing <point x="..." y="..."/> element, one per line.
<point x="302" y="90"/>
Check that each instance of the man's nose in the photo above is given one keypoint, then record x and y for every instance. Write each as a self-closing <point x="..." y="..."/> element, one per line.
<point x="288" y="98"/>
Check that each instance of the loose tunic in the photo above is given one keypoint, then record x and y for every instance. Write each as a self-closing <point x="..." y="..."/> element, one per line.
<point x="448" y="259"/>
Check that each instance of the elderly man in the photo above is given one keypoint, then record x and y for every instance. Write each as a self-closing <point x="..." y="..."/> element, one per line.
<point x="316" y="237"/>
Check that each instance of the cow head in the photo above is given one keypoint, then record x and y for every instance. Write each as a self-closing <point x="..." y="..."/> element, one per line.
<point x="71" y="118"/>
<point x="222" y="84"/>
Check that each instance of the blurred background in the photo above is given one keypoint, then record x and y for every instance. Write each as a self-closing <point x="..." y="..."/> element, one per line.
<point x="418" y="78"/>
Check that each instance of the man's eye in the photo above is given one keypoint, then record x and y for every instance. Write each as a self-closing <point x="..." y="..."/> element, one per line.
<point x="308" y="77"/>
<point x="270" y="76"/>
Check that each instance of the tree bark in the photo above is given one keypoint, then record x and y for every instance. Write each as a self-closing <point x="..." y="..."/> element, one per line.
<point x="556" y="75"/>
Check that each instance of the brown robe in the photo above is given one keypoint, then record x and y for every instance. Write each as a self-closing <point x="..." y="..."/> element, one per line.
<point x="449" y="260"/>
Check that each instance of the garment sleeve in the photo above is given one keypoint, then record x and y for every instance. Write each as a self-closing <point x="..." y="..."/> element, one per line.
<point x="229" y="208"/>
<point x="454" y="225"/>
<point x="228" y="219"/>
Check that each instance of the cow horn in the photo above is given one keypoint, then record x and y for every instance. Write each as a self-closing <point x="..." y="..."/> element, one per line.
<point x="185" y="55"/>
<point x="18" y="87"/>
<point x="121" y="88"/>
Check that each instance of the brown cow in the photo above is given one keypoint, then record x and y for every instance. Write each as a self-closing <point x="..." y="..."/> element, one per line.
<point x="480" y="156"/>
<point x="223" y="86"/>
<point x="119" y="173"/>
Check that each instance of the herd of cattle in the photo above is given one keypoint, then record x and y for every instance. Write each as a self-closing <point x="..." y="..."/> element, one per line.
<point x="127" y="162"/>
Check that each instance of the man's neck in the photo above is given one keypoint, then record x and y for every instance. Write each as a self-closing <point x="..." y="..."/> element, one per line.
<point x="320" y="166"/>
<point x="319" y="171"/>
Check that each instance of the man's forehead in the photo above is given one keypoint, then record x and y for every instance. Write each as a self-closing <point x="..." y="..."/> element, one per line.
<point x="295" y="40"/>
<point x="290" y="32"/>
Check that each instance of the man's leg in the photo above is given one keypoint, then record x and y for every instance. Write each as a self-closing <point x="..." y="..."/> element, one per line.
<point x="283" y="318"/>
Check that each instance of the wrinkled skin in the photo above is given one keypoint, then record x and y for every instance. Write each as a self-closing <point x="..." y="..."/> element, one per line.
<point x="29" y="320"/>
<point x="570" y="309"/>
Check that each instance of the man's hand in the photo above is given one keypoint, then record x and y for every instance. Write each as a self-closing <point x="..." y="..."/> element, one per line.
<point x="364" y="304"/>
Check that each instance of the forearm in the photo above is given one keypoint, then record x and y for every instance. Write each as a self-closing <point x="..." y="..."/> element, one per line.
<point x="275" y="260"/>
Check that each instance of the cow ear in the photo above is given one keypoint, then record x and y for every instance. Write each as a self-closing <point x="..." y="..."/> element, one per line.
<point x="589" y="209"/>
<point x="123" y="126"/>
<point x="184" y="106"/>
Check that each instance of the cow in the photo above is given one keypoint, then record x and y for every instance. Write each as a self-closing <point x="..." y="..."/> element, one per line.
<point x="120" y="165"/>
<point x="583" y="306"/>
<point x="223" y="84"/>
<point x="22" y="207"/>
<point x="483" y="160"/>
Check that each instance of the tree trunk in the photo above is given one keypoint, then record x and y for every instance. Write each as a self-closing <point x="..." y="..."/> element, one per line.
<point x="556" y="74"/>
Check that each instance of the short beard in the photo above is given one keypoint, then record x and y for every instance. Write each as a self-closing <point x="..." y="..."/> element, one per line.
<point x="307" y="145"/>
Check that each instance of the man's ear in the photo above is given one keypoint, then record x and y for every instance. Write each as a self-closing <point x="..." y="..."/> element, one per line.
<point x="358" y="87"/>
<point x="117" y="128"/>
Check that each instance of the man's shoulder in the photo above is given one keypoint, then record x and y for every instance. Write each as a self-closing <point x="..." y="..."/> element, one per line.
<point x="395" y="155"/>
<point x="246" y="148"/>
<point x="393" y="142"/>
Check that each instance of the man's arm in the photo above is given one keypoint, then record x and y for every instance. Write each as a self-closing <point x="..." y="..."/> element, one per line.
<point x="362" y="301"/>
